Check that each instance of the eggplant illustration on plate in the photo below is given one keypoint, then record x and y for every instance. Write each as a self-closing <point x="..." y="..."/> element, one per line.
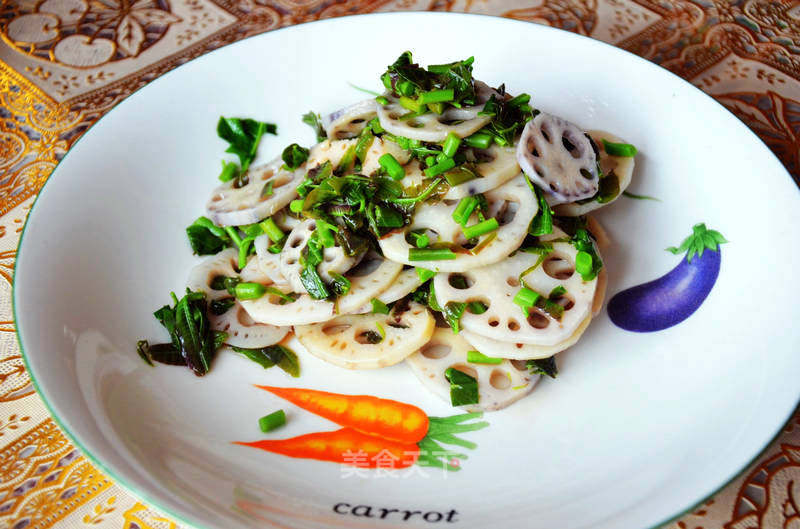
<point x="673" y="297"/>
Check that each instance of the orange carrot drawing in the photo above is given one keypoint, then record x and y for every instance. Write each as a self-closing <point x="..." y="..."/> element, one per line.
<point x="382" y="417"/>
<point x="346" y="446"/>
<point x="373" y="427"/>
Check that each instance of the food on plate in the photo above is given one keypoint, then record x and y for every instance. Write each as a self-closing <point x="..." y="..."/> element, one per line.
<point x="442" y="223"/>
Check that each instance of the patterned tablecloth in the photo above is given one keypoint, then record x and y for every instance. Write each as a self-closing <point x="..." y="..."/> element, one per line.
<point x="64" y="63"/>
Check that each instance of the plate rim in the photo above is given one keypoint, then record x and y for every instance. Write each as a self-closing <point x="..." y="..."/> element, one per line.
<point x="186" y="519"/>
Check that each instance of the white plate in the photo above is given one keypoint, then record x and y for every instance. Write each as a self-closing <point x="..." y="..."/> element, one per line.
<point x="636" y="429"/>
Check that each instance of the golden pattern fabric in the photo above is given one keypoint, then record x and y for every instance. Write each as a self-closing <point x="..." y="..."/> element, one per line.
<point x="64" y="63"/>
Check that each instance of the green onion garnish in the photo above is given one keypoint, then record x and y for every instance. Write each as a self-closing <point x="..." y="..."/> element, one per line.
<point x="382" y="100"/>
<point x="296" y="206"/>
<point x="392" y="166"/>
<point x="479" y="140"/>
<point x="526" y="298"/>
<point x="274" y="420"/>
<point x="481" y="228"/>
<point x="430" y="254"/>
<point x="435" y="96"/>
<point x="476" y="357"/>
<point x="440" y="167"/>
<point x="249" y="290"/>
<point x="411" y="104"/>
<point x="624" y="150"/>
<point x="272" y="230"/>
<point x="450" y="145"/>
<point x="464" y="209"/>
<point x="424" y="274"/>
<point x="583" y="263"/>
<point x="379" y="307"/>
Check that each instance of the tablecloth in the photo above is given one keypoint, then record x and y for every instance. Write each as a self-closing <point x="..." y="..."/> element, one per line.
<point x="64" y="63"/>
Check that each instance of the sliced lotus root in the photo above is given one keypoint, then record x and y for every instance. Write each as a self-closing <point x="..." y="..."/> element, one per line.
<point x="521" y="351"/>
<point x="373" y="275"/>
<point x="368" y="341"/>
<point x="369" y="279"/>
<point x="621" y="167"/>
<point x="255" y="200"/>
<point x="433" y="127"/>
<point x="495" y="166"/>
<point x="405" y="283"/>
<point x="559" y="158"/>
<point x="496" y="286"/>
<point x="333" y="258"/>
<point x="498" y="384"/>
<point x="335" y="150"/>
<point x="349" y="121"/>
<point x="512" y="204"/>
<point x="269" y="263"/>
<point x="242" y="330"/>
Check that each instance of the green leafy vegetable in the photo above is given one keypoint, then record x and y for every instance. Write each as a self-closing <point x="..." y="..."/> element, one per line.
<point x="453" y="311"/>
<point x="273" y="355"/>
<point x="206" y="238"/>
<point x="294" y="156"/>
<point x="243" y="135"/>
<point x="542" y="223"/>
<point x="424" y="274"/>
<point x="583" y="243"/>
<point x="463" y="388"/>
<point x="379" y="307"/>
<point x="313" y="120"/>
<point x="543" y="366"/>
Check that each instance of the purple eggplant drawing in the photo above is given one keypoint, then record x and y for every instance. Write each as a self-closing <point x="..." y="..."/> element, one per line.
<point x="673" y="297"/>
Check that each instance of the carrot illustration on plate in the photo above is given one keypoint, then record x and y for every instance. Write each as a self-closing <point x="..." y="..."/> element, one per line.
<point x="382" y="432"/>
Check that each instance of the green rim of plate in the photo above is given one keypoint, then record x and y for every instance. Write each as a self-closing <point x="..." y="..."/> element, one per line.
<point x="180" y="517"/>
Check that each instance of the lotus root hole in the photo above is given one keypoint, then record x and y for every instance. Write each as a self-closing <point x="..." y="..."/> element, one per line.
<point x="364" y="337"/>
<point x="586" y="174"/>
<point x="513" y="325"/>
<point x="281" y="180"/>
<point x="244" y="318"/>
<point x="274" y="299"/>
<point x="415" y="123"/>
<point x="512" y="281"/>
<point x="295" y="242"/>
<point x="216" y="198"/>
<point x="435" y="351"/>
<point x="290" y="261"/>
<point x="266" y="175"/>
<point x="393" y="115"/>
<point x="336" y="328"/>
<point x="574" y="151"/>
<point x="537" y="320"/>
<point x="565" y="301"/>
<point x="499" y="379"/>
<point x="520" y="365"/>
<point x="469" y="370"/>
<point x="312" y="226"/>
<point x="507" y="213"/>
<point x="460" y="281"/>
<point x="494" y="322"/>
<point x="558" y="268"/>
<point x="357" y="121"/>
<point x="484" y="302"/>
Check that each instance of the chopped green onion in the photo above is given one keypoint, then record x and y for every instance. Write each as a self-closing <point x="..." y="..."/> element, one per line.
<point x="424" y="274"/>
<point x="272" y="421"/>
<point x="440" y="167"/>
<point x="463" y="388"/>
<point x="526" y="298"/>
<point x="382" y="100"/>
<point x="272" y="230"/>
<point x="430" y="161"/>
<point x="381" y="330"/>
<point x="481" y="228"/>
<point x="392" y="166"/>
<point x="379" y="307"/>
<point x="436" y="108"/>
<point x="450" y="145"/>
<point x="436" y="96"/>
<point x="557" y="292"/>
<point x="296" y="206"/>
<point x="479" y="140"/>
<point x="464" y="209"/>
<point x="244" y="251"/>
<point x="375" y="123"/>
<point x="624" y="150"/>
<point x="249" y="290"/>
<point x="476" y="357"/>
<point x="421" y="239"/>
<point x="583" y="263"/>
<point x="405" y="88"/>
<point x="229" y="170"/>
<point x="430" y="254"/>
<point x="459" y="175"/>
